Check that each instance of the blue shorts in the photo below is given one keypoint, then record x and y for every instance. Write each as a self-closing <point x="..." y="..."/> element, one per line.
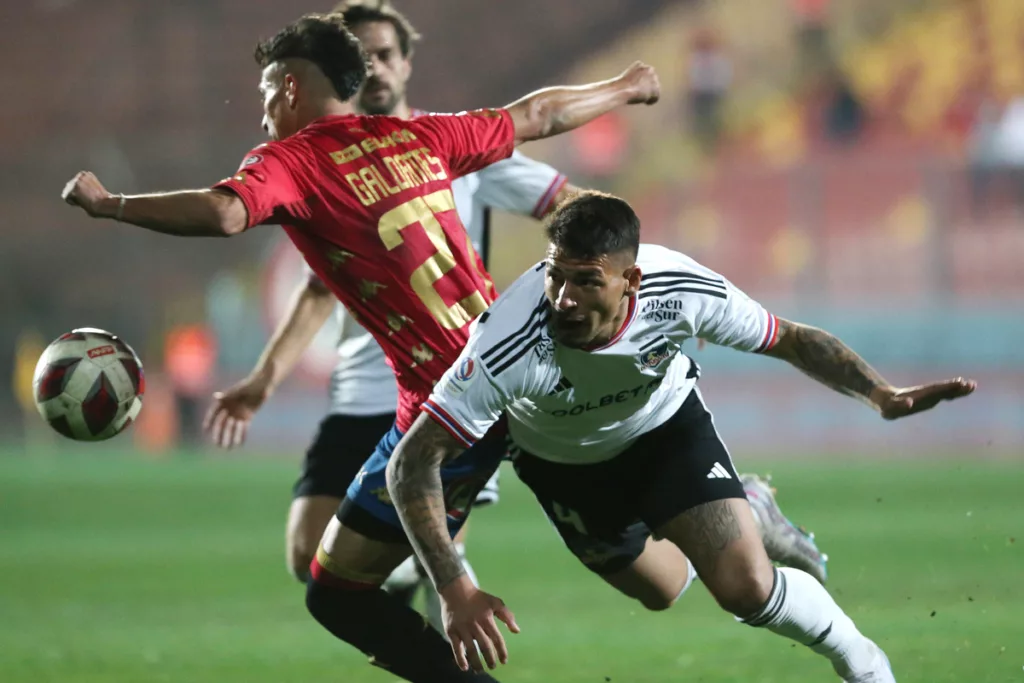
<point x="367" y="506"/>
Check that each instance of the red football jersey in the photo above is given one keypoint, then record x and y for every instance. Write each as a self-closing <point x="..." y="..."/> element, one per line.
<point x="368" y="202"/>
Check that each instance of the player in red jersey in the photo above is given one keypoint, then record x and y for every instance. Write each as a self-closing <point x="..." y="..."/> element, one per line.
<point x="368" y="202"/>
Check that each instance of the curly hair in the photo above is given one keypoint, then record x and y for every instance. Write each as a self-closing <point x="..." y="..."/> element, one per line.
<point x="361" y="11"/>
<point x="325" y="41"/>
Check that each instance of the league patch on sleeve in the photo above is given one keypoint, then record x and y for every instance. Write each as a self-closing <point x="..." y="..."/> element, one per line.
<point x="461" y="376"/>
<point x="465" y="370"/>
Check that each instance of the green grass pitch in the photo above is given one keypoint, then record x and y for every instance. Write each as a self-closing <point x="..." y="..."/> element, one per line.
<point x="115" y="570"/>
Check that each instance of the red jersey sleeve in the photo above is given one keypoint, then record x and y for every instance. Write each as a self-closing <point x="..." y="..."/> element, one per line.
<point x="274" y="184"/>
<point x="468" y="141"/>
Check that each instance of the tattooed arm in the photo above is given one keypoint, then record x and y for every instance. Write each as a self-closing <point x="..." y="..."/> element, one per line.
<point x="824" y="357"/>
<point x="414" y="483"/>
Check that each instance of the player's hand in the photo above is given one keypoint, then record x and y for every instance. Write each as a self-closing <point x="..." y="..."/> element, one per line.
<point x="894" y="403"/>
<point x="642" y="81"/>
<point x="469" y="622"/>
<point x="229" y="417"/>
<point x="85" y="190"/>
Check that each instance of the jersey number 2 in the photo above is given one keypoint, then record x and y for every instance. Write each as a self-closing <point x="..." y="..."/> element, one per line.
<point x="422" y="210"/>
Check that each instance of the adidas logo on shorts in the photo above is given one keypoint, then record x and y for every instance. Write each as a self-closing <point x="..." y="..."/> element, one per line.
<point x="719" y="472"/>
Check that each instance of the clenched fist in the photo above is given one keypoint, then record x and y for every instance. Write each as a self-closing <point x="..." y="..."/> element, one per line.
<point x="643" y="82"/>
<point x="85" y="190"/>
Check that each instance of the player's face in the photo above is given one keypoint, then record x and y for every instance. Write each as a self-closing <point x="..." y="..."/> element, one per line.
<point x="589" y="297"/>
<point x="389" y="70"/>
<point x="278" y="90"/>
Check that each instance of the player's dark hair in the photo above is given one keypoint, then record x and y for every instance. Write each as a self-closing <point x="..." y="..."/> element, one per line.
<point x="591" y="224"/>
<point x="323" y="40"/>
<point x="361" y="11"/>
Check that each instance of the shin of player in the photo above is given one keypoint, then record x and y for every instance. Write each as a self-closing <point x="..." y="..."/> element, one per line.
<point x="582" y="355"/>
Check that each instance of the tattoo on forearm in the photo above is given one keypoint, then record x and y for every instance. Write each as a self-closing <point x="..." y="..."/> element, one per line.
<point x="827" y="359"/>
<point x="414" y="483"/>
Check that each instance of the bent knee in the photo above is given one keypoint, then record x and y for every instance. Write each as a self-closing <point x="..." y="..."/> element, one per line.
<point x="658" y="603"/>
<point x="298" y="564"/>
<point x="300" y="551"/>
<point x="744" y="593"/>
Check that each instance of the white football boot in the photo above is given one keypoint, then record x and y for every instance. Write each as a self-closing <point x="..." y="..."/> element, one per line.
<point x="785" y="542"/>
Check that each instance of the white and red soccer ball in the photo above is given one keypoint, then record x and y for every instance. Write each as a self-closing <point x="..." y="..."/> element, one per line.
<point x="88" y="385"/>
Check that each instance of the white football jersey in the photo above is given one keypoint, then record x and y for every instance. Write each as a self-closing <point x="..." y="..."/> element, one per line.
<point x="573" y="406"/>
<point x="362" y="383"/>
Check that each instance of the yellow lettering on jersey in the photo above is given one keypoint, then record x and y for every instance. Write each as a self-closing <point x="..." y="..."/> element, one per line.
<point x="369" y="145"/>
<point x="415" y="160"/>
<point x="402" y="160"/>
<point x="398" y="173"/>
<point x="373" y="184"/>
<point x="391" y="189"/>
<point x="368" y="289"/>
<point x="360" y="189"/>
<point x="350" y="153"/>
<point x="429" y="165"/>
<point x="421" y="354"/>
<point x="436" y="166"/>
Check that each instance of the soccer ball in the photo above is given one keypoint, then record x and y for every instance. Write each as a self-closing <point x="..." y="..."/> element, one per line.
<point x="88" y="385"/>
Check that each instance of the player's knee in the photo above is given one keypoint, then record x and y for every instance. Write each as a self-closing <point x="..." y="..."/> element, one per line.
<point x="743" y="590"/>
<point x="658" y="602"/>
<point x="300" y="551"/>
<point x="298" y="564"/>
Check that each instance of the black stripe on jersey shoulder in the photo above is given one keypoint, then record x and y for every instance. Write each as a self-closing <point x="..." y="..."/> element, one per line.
<point x="651" y="344"/>
<point x="528" y="341"/>
<point x="519" y="354"/>
<point x="682" y="279"/>
<point x="538" y="317"/>
<point x="685" y="289"/>
<point x="539" y="267"/>
<point x="514" y="338"/>
<point x="649" y="278"/>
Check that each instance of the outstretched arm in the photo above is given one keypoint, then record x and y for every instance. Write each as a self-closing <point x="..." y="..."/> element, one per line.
<point x="189" y="213"/>
<point x="414" y="483"/>
<point x="232" y="410"/>
<point x="556" y="110"/>
<point x="824" y="357"/>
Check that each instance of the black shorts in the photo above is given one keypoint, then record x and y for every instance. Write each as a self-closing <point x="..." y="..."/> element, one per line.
<point x="605" y="511"/>
<point x="342" y="445"/>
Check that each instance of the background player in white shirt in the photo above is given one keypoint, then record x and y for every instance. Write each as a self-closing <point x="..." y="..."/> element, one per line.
<point x="582" y="356"/>
<point x="363" y="393"/>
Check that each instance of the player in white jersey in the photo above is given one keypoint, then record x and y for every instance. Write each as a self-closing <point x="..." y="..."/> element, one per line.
<point x="582" y="355"/>
<point x="363" y="392"/>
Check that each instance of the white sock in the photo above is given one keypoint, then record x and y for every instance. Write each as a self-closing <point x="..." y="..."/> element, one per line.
<point x="691" y="574"/>
<point x="434" y="600"/>
<point x="800" y="609"/>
